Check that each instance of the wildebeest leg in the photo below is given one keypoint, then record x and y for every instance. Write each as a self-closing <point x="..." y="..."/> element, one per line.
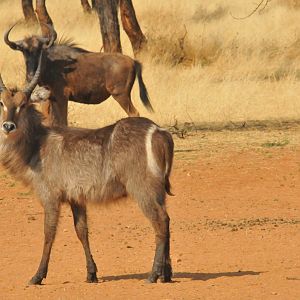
<point x="55" y="113"/>
<point x="58" y="109"/>
<point x="60" y="112"/>
<point x="160" y="220"/>
<point x="51" y="210"/>
<point x="80" y="223"/>
<point x="125" y="102"/>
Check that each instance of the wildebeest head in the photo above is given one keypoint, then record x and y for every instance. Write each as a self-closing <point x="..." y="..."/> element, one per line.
<point x="31" y="48"/>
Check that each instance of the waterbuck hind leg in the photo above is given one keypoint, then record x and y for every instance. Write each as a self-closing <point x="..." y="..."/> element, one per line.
<point x="80" y="224"/>
<point x="160" y="221"/>
<point x="162" y="263"/>
<point x="51" y="210"/>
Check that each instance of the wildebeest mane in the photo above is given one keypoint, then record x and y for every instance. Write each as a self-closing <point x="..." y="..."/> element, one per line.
<point x="65" y="51"/>
<point x="69" y="42"/>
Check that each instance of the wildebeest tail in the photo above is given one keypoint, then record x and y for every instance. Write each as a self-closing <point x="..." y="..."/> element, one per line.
<point x="143" y="90"/>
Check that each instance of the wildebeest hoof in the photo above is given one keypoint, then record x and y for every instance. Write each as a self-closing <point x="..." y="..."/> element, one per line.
<point x="35" y="280"/>
<point x="92" y="278"/>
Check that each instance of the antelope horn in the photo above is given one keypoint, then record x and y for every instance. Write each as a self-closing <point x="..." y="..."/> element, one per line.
<point x="52" y="34"/>
<point x="32" y="84"/>
<point x="43" y="17"/>
<point x="2" y="85"/>
<point x="14" y="45"/>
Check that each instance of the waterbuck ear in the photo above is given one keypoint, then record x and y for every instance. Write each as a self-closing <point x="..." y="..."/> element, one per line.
<point x="2" y="85"/>
<point x="39" y="94"/>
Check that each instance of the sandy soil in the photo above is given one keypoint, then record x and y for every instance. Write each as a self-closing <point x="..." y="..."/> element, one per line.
<point x="235" y="224"/>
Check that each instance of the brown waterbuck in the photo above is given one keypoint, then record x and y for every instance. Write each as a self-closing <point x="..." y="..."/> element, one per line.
<point x="72" y="73"/>
<point x="132" y="157"/>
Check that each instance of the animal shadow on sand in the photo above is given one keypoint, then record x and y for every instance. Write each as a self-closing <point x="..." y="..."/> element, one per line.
<point x="192" y="276"/>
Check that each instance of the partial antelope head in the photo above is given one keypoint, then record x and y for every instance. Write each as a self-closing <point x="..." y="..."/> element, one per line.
<point x="31" y="48"/>
<point x="13" y="103"/>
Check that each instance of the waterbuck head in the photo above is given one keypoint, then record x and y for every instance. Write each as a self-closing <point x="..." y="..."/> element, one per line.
<point x="31" y="48"/>
<point x="13" y="103"/>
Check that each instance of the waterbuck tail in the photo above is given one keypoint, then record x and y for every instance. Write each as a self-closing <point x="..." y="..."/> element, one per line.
<point x="168" y="187"/>
<point x="169" y="153"/>
<point x="143" y="90"/>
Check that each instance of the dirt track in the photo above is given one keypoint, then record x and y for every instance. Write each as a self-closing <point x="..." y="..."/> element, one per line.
<point x="235" y="224"/>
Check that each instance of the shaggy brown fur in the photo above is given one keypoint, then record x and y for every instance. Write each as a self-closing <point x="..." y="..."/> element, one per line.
<point x="132" y="157"/>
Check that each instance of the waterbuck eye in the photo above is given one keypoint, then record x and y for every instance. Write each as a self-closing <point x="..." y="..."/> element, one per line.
<point x="1" y="104"/>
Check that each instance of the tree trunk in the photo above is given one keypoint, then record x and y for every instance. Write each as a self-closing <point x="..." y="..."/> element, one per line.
<point x="107" y="11"/>
<point x="43" y="17"/>
<point x="28" y="11"/>
<point x="86" y="6"/>
<point x="131" y="26"/>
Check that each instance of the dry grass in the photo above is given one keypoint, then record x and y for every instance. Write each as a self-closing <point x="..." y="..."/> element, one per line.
<point x="201" y="64"/>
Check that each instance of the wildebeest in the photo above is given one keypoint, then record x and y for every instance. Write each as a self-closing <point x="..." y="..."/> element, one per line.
<point x="72" y="73"/>
<point x="132" y="157"/>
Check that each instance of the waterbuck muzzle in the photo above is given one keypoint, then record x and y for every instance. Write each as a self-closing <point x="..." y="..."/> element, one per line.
<point x="8" y="126"/>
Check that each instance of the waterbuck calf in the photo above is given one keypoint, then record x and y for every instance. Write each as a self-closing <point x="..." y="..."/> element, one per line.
<point x="132" y="157"/>
<point x="75" y="74"/>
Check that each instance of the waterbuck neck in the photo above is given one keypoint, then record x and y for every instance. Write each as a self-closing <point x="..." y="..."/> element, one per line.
<point x="20" y="151"/>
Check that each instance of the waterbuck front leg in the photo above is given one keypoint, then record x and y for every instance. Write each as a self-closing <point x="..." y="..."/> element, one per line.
<point x="80" y="223"/>
<point x="51" y="210"/>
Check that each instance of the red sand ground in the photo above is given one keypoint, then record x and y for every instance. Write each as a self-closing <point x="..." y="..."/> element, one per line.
<point x="235" y="224"/>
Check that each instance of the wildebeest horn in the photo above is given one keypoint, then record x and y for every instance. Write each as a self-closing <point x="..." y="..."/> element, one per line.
<point x="44" y="18"/>
<point x="32" y="84"/>
<point x="14" y="45"/>
<point x="2" y="85"/>
<point x="52" y="34"/>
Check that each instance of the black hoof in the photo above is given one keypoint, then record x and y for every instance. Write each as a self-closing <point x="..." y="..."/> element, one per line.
<point x="165" y="279"/>
<point x="152" y="278"/>
<point x="92" y="278"/>
<point x="167" y="274"/>
<point x="35" y="280"/>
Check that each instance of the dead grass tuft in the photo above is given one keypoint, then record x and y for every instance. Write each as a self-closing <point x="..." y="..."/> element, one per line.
<point x="202" y="14"/>
<point x="290" y="3"/>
